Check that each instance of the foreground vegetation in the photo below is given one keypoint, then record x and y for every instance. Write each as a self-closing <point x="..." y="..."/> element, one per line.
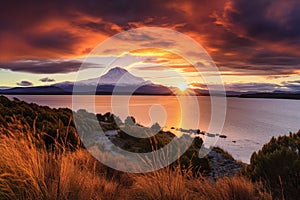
<point x="277" y="164"/>
<point x="42" y="157"/>
<point x="29" y="172"/>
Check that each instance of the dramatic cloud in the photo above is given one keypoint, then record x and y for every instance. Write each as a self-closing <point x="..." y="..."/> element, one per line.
<point x="24" y="83"/>
<point x="268" y="32"/>
<point x="267" y="20"/>
<point x="46" y="79"/>
<point x="42" y="66"/>
<point x="244" y="38"/>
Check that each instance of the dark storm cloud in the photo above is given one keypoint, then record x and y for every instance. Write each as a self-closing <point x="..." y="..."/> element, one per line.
<point x="268" y="19"/>
<point x="42" y="66"/>
<point x="24" y="83"/>
<point x="264" y="35"/>
<point x="46" y="79"/>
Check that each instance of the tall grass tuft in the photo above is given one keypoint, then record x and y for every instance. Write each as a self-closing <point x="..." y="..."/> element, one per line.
<point x="168" y="184"/>
<point x="22" y="172"/>
<point x="162" y="184"/>
<point x="30" y="171"/>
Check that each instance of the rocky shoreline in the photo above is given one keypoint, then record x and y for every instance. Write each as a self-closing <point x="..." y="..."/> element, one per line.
<point x="222" y="164"/>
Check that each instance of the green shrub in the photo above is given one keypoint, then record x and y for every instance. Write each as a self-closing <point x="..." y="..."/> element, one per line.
<point x="277" y="164"/>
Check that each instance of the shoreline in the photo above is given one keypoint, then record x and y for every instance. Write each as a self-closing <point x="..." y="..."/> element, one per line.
<point x="241" y="150"/>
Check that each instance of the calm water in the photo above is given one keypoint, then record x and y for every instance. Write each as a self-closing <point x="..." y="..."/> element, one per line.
<point x="249" y="122"/>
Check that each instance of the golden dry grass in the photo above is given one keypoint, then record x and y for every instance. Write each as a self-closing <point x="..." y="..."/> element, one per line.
<point x="31" y="172"/>
<point x="169" y="184"/>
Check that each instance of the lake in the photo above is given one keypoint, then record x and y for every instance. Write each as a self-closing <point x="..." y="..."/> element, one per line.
<point x="249" y="123"/>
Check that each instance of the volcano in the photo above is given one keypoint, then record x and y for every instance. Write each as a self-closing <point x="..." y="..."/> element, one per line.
<point x="116" y="81"/>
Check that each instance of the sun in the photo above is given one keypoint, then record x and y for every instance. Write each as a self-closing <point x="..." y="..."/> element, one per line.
<point x="182" y="86"/>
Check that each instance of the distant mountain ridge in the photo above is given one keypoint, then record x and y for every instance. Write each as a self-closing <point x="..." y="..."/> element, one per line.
<point x="116" y="81"/>
<point x="275" y="95"/>
<point x="42" y="90"/>
<point x="119" y="81"/>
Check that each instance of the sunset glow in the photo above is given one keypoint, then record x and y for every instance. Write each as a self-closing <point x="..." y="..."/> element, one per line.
<point x="54" y="44"/>
<point x="182" y="86"/>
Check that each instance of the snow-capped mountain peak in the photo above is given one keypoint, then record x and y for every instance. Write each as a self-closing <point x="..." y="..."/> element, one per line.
<point x="115" y="76"/>
<point x="120" y="75"/>
<point x="117" y="70"/>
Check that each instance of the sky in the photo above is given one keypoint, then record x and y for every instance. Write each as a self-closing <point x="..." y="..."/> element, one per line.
<point x="255" y="44"/>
